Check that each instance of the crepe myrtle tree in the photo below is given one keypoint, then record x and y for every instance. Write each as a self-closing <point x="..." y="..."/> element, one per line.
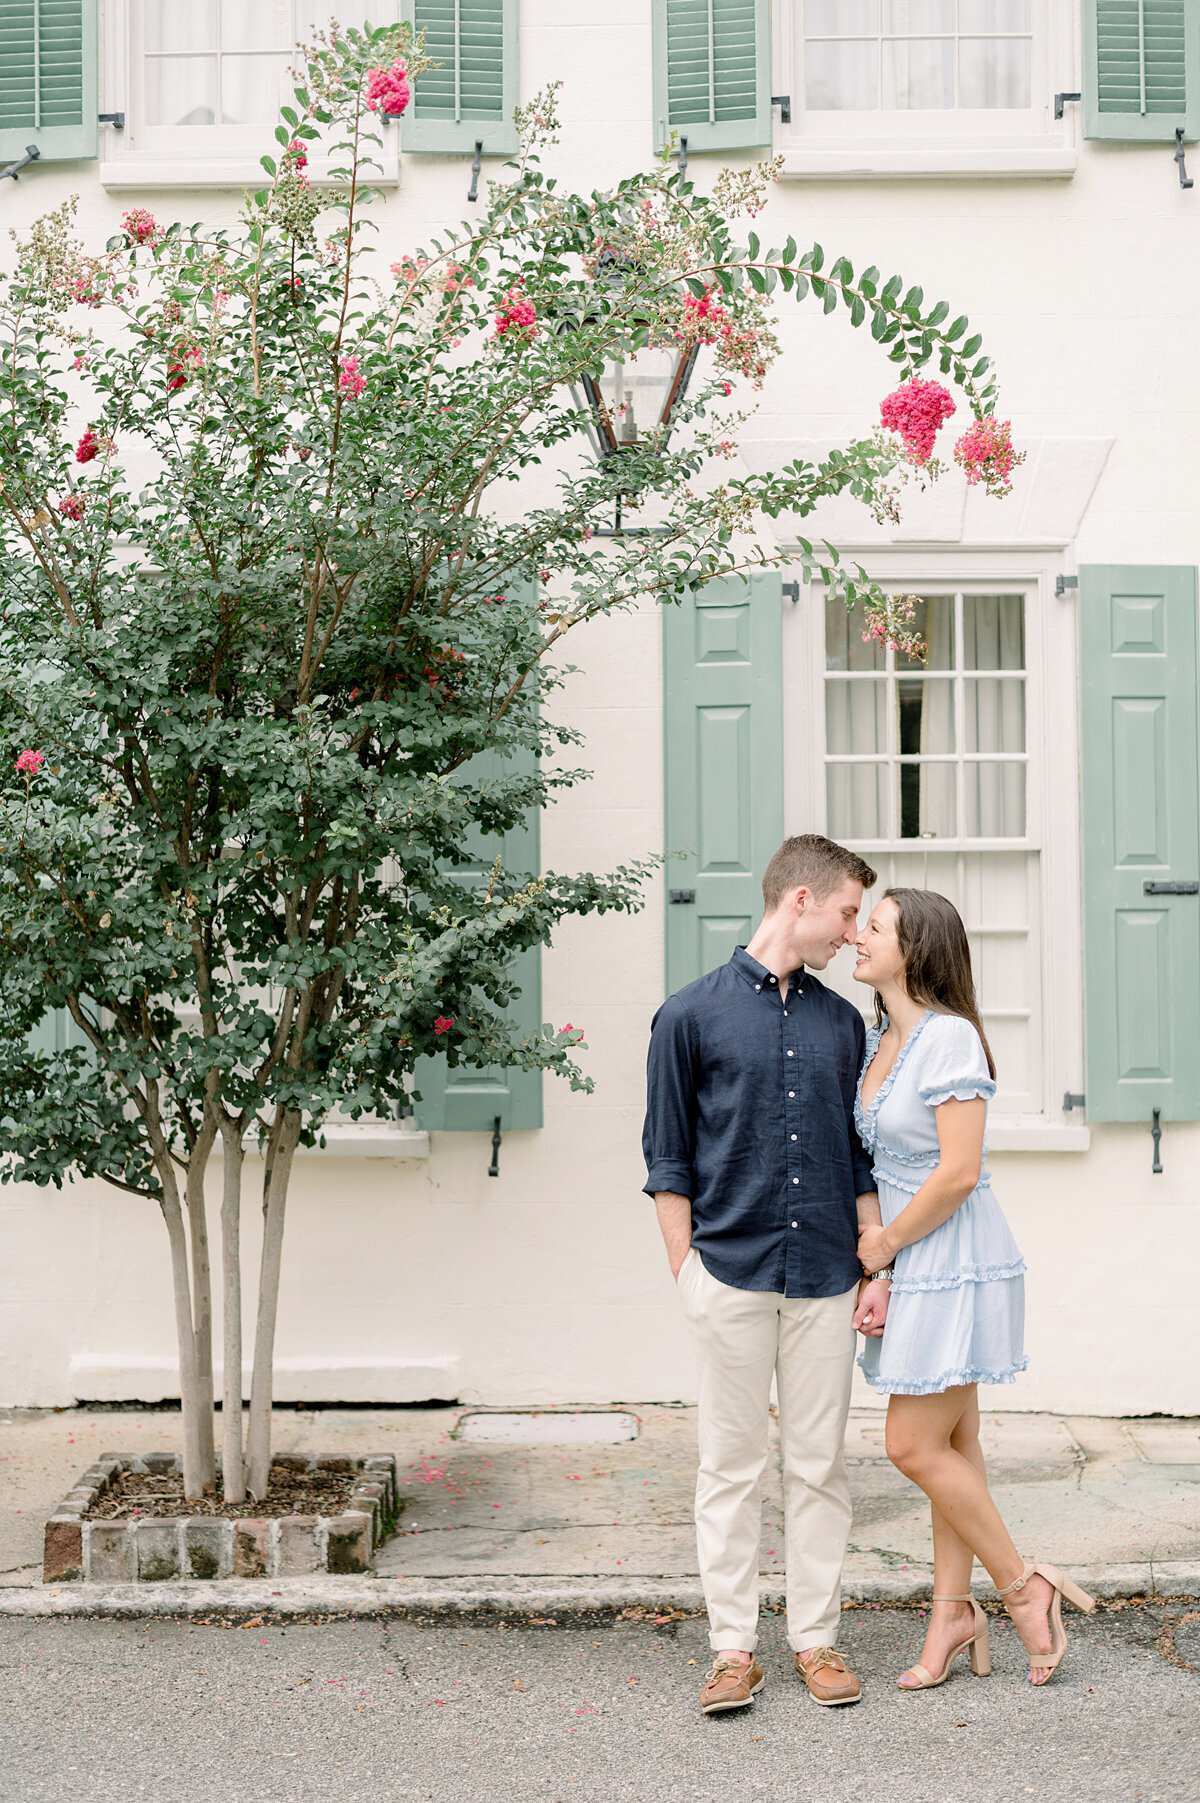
<point x="268" y="592"/>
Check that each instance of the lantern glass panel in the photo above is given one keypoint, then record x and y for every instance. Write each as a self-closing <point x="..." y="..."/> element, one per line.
<point x="636" y="389"/>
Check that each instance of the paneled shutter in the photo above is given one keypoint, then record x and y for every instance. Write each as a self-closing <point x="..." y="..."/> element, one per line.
<point x="1141" y="831"/>
<point x="723" y="722"/>
<point x="462" y="1098"/>
<point x="712" y="73"/>
<point x="56" y="1032"/>
<point x="470" y="97"/>
<point x="1141" y="63"/>
<point x="48" y="79"/>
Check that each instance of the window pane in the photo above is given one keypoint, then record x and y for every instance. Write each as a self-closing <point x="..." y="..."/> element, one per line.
<point x="249" y="89"/>
<point x="926" y="801"/>
<point x="840" y="18"/>
<point x="933" y="623"/>
<point x="995" y="714"/>
<point x="908" y="18"/>
<point x="256" y="24"/>
<point x="918" y="74"/>
<point x="856" y="717"/>
<point x="993" y="632"/>
<point x="856" y="801"/>
<point x="995" y="72"/>
<point x="926" y="716"/>
<point x="845" y="647"/>
<point x="171" y="26"/>
<point x="995" y="801"/>
<point x="840" y="77"/>
<point x="181" y="90"/>
<point x="995" y="15"/>
<point x="308" y="16"/>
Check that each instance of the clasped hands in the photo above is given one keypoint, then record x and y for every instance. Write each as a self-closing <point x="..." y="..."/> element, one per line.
<point x="874" y="1254"/>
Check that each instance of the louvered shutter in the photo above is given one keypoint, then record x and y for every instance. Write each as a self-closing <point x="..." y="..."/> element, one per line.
<point x="723" y="731"/>
<point x="461" y="1098"/>
<point x="48" y="79"/>
<point x="1141" y="62"/>
<point x="470" y="96"/>
<point x="712" y="73"/>
<point x="1141" y="826"/>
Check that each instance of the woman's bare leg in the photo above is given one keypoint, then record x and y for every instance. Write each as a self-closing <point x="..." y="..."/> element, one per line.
<point x="921" y="1442"/>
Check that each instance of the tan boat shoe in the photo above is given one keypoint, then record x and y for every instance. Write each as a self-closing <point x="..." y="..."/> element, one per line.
<point x="731" y="1684"/>
<point x="830" y="1680"/>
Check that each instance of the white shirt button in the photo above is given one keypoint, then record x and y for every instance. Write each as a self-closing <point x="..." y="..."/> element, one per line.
<point x="757" y="987"/>
<point x="795" y="1223"/>
<point x="791" y="1054"/>
<point x="795" y="1179"/>
<point x="785" y="1014"/>
<point x="770" y="979"/>
<point x="793" y="1136"/>
<point x="791" y="1095"/>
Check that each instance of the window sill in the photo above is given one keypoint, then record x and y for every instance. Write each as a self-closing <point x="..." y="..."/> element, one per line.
<point x="215" y="172"/>
<point x="962" y="162"/>
<point x="1033" y="1133"/>
<point x="359" y="1139"/>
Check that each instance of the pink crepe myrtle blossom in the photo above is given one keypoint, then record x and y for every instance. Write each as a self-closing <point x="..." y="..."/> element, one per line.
<point x="986" y="452"/>
<point x="388" y="92"/>
<point x="141" y="226"/>
<point x="409" y="269"/>
<point x="443" y="1024"/>
<point x="704" y="319"/>
<point x="91" y="445"/>
<point x="916" y="412"/>
<point x="351" y="381"/>
<point x="518" y="316"/>
<point x="30" y="762"/>
<point x="726" y="387"/>
<point x="71" y="507"/>
<point x="183" y="366"/>
<point x="454" y="279"/>
<point x="298" y="151"/>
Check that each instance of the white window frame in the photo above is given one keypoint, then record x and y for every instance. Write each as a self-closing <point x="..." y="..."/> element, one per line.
<point x="142" y="156"/>
<point x="1052" y="799"/>
<point x="953" y="145"/>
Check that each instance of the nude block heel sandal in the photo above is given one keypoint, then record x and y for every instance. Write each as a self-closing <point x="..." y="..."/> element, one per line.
<point x="981" y="1657"/>
<point x="1063" y="1587"/>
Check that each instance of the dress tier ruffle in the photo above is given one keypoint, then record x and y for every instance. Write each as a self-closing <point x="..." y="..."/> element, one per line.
<point x="957" y="1308"/>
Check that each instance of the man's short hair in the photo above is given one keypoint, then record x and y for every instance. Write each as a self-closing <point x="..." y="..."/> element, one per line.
<point x="810" y="861"/>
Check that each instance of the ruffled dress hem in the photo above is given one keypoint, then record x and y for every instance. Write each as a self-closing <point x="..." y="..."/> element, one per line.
<point x="903" y="1285"/>
<point x="947" y="1381"/>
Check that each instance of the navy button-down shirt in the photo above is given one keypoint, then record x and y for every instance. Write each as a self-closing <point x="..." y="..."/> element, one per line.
<point x="750" y="1113"/>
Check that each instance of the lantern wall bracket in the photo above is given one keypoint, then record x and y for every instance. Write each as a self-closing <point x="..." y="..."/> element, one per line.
<point x="476" y="166"/>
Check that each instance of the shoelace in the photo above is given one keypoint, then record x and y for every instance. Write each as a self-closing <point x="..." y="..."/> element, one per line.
<point x="720" y="1666"/>
<point x="821" y="1656"/>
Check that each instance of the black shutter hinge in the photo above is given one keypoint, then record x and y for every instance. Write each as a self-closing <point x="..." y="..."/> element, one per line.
<point x="1058" y="102"/>
<point x="116" y="120"/>
<point x="1072" y="1101"/>
<point x="32" y="153"/>
<point x="682" y="895"/>
<point x="1063" y="583"/>
<point x="784" y="103"/>
<point x="792" y="591"/>
<point x="1185" y="180"/>
<point x="476" y="166"/>
<point x="494" y="1167"/>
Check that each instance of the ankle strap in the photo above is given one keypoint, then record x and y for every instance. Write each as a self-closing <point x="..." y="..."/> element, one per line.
<point x="953" y="1599"/>
<point x="1017" y="1583"/>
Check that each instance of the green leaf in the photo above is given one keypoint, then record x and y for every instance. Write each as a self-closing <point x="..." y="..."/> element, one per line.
<point x="891" y="289"/>
<point x="956" y="330"/>
<point x="282" y="136"/>
<point x="858" y="310"/>
<point x="938" y="314"/>
<point x="268" y="164"/>
<point x="981" y="368"/>
<point x="801" y="286"/>
<point x="756" y="280"/>
<point x="789" y="251"/>
<point x="879" y="324"/>
<point x="290" y="114"/>
<point x="754" y="249"/>
<point x="912" y="300"/>
<point x="831" y="297"/>
<point x="972" y="345"/>
<point x="816" y="257"/>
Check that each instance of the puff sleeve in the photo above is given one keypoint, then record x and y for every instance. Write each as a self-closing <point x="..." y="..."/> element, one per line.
<point x="952" y="1063"/>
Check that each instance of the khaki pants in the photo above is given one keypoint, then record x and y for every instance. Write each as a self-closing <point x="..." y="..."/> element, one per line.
<point x="742" y="1339"/>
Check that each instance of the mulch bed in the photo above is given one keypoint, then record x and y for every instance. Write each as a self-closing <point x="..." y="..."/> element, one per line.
<point x="148" y="1495"/>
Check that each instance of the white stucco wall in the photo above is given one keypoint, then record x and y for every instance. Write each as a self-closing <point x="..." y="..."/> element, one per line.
<point x="420" y="1278"/>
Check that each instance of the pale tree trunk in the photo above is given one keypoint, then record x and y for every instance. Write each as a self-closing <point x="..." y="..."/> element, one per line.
<point x="202" y="1295"/>
<point x="280" y="1152"/>
<point x="193" y="1455"/>
<point x="232" y="1465"/>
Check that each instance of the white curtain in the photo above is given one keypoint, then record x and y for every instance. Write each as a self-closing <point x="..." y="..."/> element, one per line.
<point x="994" y="640"/>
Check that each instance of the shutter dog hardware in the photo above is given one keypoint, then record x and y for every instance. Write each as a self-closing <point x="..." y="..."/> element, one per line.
<point x="32" y="153"/>
<point x="494" y="1167"/>
<point x="1185" y="180"/>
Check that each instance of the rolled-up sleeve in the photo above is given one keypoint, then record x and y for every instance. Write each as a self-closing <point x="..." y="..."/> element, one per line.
<point x="860" y="1158"/>
<point x="669" y="1135"/>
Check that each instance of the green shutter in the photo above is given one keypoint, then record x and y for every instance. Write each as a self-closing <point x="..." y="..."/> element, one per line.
<point x="465" y="1099"/>
<point x="470" y="96"/>
<point x="723" y="730"/>
<point x="48" y="79"/>
<point x="1141" y="824"/>
<point x="1141" y="62"/>
<point x="712" y="73"/>
<point x="56" y="1032"/>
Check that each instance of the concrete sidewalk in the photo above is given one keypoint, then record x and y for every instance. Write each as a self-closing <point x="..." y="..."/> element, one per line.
<point x="544" y="1527"/>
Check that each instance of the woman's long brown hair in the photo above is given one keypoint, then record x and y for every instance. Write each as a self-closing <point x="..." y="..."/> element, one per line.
<point x="937" y="958"/>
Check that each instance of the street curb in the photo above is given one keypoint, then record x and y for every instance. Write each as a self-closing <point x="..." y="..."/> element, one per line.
<point x="533" y="1599"/>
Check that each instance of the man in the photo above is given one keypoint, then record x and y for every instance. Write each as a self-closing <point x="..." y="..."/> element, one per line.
<point x="761" y="1184"/>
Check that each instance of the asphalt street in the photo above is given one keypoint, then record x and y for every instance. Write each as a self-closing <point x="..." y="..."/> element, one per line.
<point x="583" y="1713"/>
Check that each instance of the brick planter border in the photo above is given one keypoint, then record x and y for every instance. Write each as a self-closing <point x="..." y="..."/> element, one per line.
<point x="153" y="1548"/>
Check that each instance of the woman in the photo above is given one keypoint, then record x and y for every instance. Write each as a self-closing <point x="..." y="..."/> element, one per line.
<point x="956" y="1311"/>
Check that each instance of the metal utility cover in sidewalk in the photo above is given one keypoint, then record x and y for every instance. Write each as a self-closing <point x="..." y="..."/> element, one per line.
<point x="533" y="1428"/>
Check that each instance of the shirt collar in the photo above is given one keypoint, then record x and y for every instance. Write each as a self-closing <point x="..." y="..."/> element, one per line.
<point x="756" y="974"/>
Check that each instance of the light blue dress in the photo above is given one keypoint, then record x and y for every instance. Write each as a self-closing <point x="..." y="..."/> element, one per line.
<point x="957" y="1308"/>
